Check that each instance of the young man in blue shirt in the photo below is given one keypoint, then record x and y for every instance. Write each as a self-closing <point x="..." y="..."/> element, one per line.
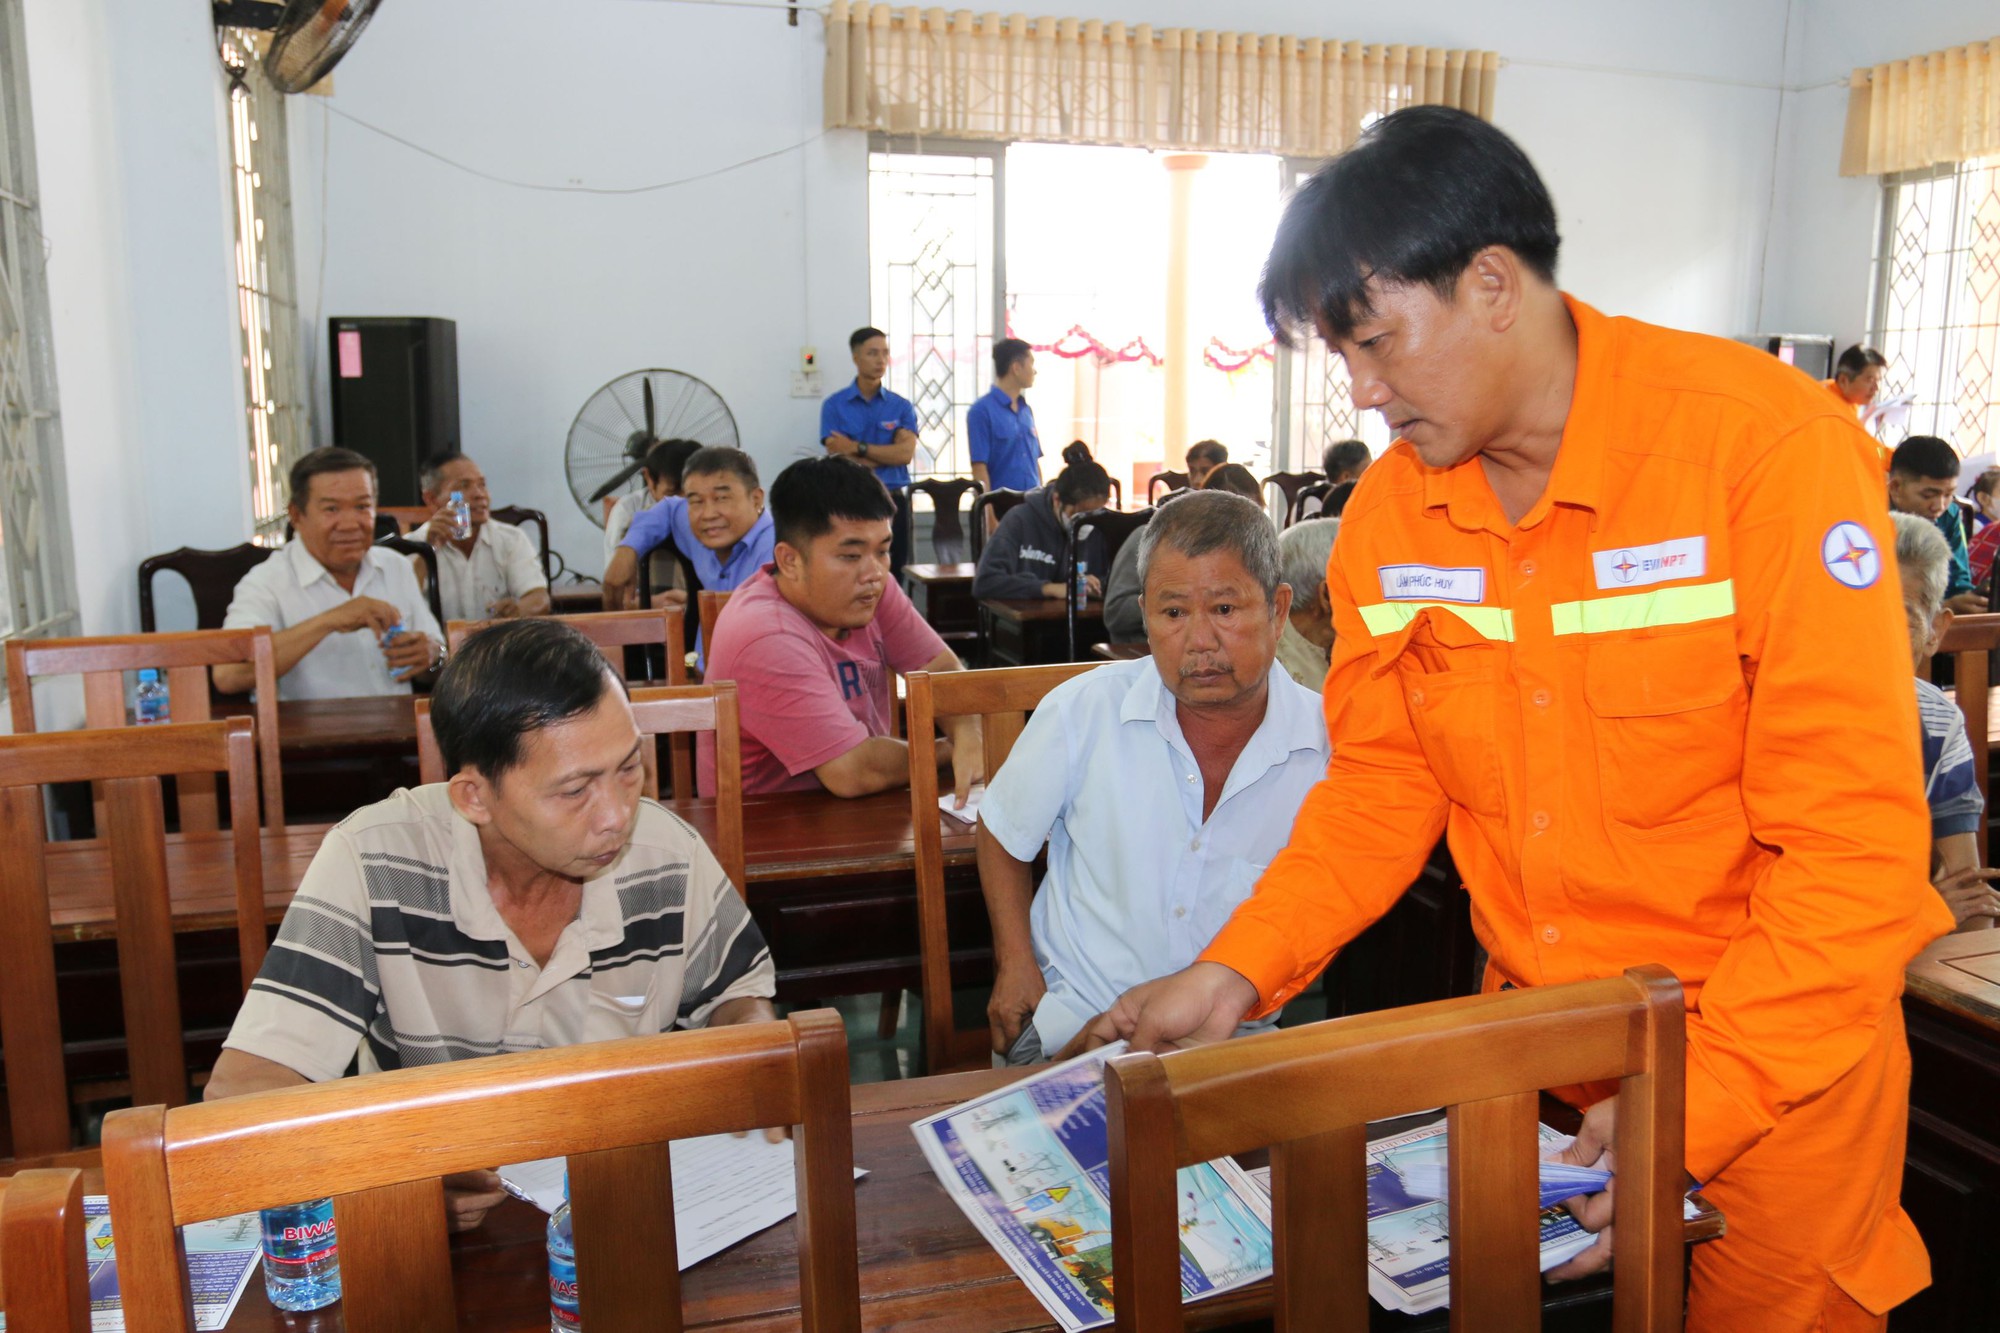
<point x="868" y="424"/>
<point x="1006" y="451"/>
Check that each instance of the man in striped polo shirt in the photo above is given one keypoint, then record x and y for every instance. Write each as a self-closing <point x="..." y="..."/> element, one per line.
<point x="533" y="900"/>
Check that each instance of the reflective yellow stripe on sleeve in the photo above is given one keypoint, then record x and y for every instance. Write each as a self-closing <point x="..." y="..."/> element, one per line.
<point x="1494" y="622"/>
<point x="1646" y="610"/>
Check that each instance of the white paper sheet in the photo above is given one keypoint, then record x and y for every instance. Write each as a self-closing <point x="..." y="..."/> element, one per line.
<point x="969" y="813"/>
<point x="725" y="1189"/>
<point x="222" y="1257"/>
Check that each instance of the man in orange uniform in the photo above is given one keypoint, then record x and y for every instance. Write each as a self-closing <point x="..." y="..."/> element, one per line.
<point x="1857" y="378"/>
<point x="1618" y="615"/>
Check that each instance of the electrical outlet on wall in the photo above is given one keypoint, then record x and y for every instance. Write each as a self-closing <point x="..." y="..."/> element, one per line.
<point x="806" y="384"/>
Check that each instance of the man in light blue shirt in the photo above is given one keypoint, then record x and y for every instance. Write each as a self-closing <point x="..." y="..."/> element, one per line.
<point x="1006" y="451"/>
<point x="868" y="424"/>
<point x="1162" y="786"/>
<point x="717" y="521"/>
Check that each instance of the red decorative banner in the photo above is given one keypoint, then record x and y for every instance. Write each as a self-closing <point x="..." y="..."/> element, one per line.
<point x="1080" y="342"/>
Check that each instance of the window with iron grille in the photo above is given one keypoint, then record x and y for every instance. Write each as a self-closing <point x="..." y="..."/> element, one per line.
<point x="37" y="581"/>
<point x="934" y="277"/>
<point x="1937" y="300"/>
<point x="266" y="293"/>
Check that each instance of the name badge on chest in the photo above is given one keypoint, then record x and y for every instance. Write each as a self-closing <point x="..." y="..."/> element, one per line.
<point x="1429" y="583"/>
<point x="1637" y="566"/>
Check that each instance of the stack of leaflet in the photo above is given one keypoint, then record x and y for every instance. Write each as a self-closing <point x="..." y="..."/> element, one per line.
<point x="222" y="1256"/>
<point x="1409" y="1236"/>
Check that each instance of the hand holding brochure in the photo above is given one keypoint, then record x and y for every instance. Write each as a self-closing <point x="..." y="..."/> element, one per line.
<point x="1030" y="1166"/>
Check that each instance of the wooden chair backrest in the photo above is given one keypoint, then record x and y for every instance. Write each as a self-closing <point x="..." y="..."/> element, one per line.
<point x="947" y="526"/>
<point x="408" y="517"/>
<point x="1165" y="480"/>
<point x="1317" y="490"/>
<point x="712" y="605"/>
<point x="128" y="763"/>
<point x="1001" y="697"/>
<point x="1289" y="484"/>
<point x="379" y="1143"/>
<point x="661" y="710"/>
<point x="211" y="576"/>
<point x="41" y="1244"/>
<point x="521" y="516"/>
<point x="613" y="632"/>
<point x="183" y="661"/>
<point x="988" y="509"/>
<point x="1972" y="641"/>
<point x="1308" y="1094"/>
<point x="1114" y="527"/>
<point x="424" y="553"/>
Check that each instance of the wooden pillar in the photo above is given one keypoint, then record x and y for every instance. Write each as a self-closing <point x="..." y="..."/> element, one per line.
<point x="1179" y="352"/>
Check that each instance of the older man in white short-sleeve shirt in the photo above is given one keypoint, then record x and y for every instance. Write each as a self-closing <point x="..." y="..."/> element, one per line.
<point x="1162" y="786"/>
<point x="347" y="617"/>
<point x="495" y="573"/>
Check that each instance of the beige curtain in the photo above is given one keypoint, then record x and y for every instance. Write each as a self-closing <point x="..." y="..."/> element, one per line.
<point x="1907" y="114"/>
<point x="960" y="75"/>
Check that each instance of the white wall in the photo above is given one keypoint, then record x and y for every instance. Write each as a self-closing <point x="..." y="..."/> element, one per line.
<point x="133" y="164"/>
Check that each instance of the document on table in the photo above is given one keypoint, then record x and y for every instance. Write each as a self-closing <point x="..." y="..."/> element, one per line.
<point x="969" y="812"/>
<point x="221" y="1257"/>
<point x="1409" y="1236"/>
<point x="1030" y="1167"/>
<point x="725" y="1189"/>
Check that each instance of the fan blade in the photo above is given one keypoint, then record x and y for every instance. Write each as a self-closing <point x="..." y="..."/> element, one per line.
<point x="647" y="385"/>
<point x="624" y="475"/>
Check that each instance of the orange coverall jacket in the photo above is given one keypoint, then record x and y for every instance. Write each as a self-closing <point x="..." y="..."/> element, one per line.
<point x="1667" y="717"/>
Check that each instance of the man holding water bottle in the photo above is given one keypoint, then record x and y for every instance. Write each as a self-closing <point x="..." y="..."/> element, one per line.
<point x="487" y="570"/>
<point x="347" y="617"/>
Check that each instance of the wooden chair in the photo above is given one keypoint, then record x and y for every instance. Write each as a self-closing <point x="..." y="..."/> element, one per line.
<point x="1313" y="493"/>
<point x="387" y="525"/>
<point x="379" y="1143"/>
<point x="1308" y="1094"/>
<point x="987" y="511"/>
<point x="711" y="611"/>
<point x="1165" y="480"/>
<point x="1289" y="485"/>
<point x="947" y="531"/>
<point x="184" y="660"/>
<point x="128" y="763"/>
<point x="42" y="1246"/>
<point x="613" y="632"/>
<point x="421" y="551"/>
<point x="410" y="517"/>
<point x="1972" y="641"/>
<point x="1114" y="528"/>
<point x="521" y="516"/>
<point x="211" y="576"/>
<point x="661" y="711"/>
<point x="1001" y="698"/>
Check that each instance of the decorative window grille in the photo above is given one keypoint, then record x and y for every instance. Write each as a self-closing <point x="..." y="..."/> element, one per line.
<point x="1937" y="300"/>
<point x="266" y="291"/>
<point x="37" y="581"/>
<point x="1315" y="396"/>
<point x="934" y="252"/>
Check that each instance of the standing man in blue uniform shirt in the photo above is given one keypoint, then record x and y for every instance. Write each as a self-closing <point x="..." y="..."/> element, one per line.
<point x="865" y="423"/>
<point x="1006" y="452"/>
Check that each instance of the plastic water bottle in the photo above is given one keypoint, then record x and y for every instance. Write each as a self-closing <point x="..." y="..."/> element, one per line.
<point x="1082" y="590"/>
<point x="149" y="701"/>
<point x="565" y="1315"/>
<point x="461" y="517"/>
<point x="301" y="1256"/>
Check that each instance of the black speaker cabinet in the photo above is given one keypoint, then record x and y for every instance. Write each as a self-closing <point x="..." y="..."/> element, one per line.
<point x="395" y="395"/>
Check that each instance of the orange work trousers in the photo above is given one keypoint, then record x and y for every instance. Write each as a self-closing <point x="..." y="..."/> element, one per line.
<point x="1817" y="1239"/>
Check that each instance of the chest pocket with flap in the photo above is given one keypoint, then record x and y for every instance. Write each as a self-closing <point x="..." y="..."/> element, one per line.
<point x="1669" y="713"/>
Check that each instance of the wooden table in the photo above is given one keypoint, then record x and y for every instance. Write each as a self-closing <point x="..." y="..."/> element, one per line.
<point x="341" y="754"/>
<point x="1035" y="631"/>
<point x="831" y="885"/>
<point x="922" y="1265"/>
<point x="943" y="594"/>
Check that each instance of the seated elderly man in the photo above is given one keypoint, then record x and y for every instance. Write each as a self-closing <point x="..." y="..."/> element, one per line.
<point x="533" y="900"/>
<point x="496" y="572"/>
<point x="347" y="617"/>
<point x="1951" y="783"/>
<point x="1305" y="649"/>
<point x="1162" y="786"/>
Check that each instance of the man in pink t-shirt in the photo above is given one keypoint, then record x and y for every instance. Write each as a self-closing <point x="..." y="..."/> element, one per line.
<point x="811" y="640"/>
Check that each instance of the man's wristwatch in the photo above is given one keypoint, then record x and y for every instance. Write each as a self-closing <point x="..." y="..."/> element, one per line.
<point x="861" y="449"/>
<point x="437" y="658"/>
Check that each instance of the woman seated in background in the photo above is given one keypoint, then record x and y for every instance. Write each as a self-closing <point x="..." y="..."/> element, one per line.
<point x="1203" y="458"/>
<point x="1024" y="557"/>
<point x="1986" y="539"/>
